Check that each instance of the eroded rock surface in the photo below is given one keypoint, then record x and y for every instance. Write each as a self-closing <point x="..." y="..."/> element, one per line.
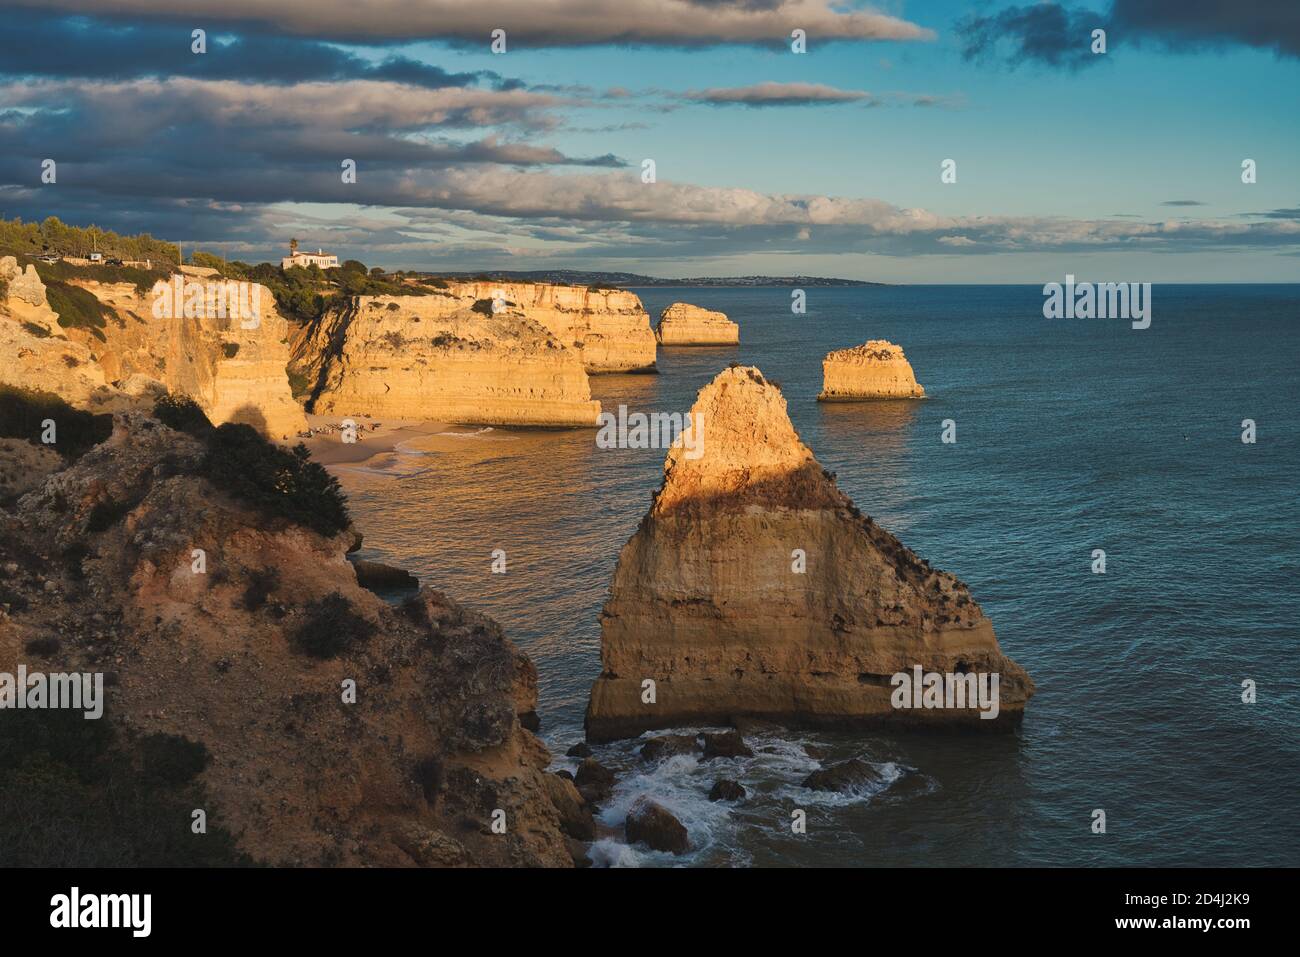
<point x="874" y="370"/>
<point x="436" y="358"/>
<point x="754" y="588"/>
<point x="682" y="324"/>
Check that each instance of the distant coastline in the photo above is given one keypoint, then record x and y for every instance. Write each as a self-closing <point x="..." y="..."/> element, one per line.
<point x="620" y="280"/>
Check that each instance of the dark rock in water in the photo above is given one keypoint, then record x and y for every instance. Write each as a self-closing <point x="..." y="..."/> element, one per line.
<point x="912" y="783"/>
<point x="562" y="773"/>
<point x="377" y="575"/>
<point x="579" y="750"/>
<point x="667" y="745"/>
<point x="842" y="777"/>
<point x="575" y="816"/>
<point x="594" y="780"/>
<point x="651" y="824"/>
<point x="724" y="790"/>
<point x="578" y="851"/>
<point x="728" y="744"/>
<point x="814" y="752"/>
<point x="531" y="721"/>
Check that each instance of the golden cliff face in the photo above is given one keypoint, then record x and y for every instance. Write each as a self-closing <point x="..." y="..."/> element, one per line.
<point x="609" y="328"/>
<point x="875" y="370"/>
<point x="431" y="357"/>
<point x="233" y="367"/>
<point x="682" y="324"/>
<point x="236" y="374"/>
<point x="754" y="588"/>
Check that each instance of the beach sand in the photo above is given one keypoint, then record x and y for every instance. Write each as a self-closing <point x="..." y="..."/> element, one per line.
<point x="330" y="449"/>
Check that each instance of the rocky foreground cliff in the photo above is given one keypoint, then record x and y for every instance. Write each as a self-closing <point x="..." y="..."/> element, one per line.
<point x="754" y="588"/>
<point x="435" y="357"/>
<point x="875" y="370"/>
<point x="247" y="675"/>
<point x="119" y="351"/>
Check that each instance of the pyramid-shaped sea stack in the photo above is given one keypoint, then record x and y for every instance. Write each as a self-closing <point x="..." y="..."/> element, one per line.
<point x="754" y="588"/>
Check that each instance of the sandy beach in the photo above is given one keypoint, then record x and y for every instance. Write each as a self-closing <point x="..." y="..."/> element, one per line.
<point x="330" y="449"/>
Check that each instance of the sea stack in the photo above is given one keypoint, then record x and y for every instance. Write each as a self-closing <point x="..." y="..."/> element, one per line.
<point x="874" y="370"/>
<point x="682" y="324"/>
<point x="754" y="588"/>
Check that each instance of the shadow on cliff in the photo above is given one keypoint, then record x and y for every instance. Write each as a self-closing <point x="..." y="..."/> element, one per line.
<point x="249" y="414"/>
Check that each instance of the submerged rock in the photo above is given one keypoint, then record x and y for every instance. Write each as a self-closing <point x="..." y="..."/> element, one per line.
<point x="666" y="745"/>
<point x="727" y="744"/>
<point x="875" y="370"/>
<point x="754" y="588"/>
<point x="655" y="826"/>
<point x="682" y="324"/>
<point x="845" y="776"/>
<point x="594" y="780"/>
<point x="725" y="790"/>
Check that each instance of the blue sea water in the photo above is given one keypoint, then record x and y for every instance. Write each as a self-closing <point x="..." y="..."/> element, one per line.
<point x="1072" y="435"/>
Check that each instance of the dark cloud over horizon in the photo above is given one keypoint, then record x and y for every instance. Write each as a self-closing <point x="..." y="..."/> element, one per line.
<point x="1058" y="36"/>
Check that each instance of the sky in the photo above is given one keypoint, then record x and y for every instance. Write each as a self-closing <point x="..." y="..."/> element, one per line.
<point x="1123" y="165"/>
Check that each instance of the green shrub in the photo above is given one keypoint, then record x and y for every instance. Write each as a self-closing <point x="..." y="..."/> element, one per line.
<point x="279" y="483"/>
<point x="77" y="308"/>
<point x="23" y="412"/>
<point x="172" y="759"/>
<point x="230" y="349"/>
<point x="261" y="584"/>
<point x="331" y="628"/>
<point x="183" y="414"/>
<point x="32" y="329"/>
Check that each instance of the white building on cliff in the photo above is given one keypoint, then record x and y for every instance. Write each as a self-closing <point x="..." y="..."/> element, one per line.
<point x="318" y="258"/>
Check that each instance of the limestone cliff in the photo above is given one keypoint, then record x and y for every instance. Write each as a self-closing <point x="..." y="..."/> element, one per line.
<point x="235" y="370"/>
<point x="236" y="675"/>
<point x="875" y="370"/>
<point x="432" y="357"/>
<point x="754" y="588"/>
<point x="35" y="352"/>
<point x="682" y="324"/>
<point x="609" y="328"/>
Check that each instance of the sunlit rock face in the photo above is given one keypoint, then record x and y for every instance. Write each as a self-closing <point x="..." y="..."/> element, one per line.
<point x="436" y="358"/>
<point x="682" y="324"/>
<point x="754" y="588"/>
<point x="169" y="338"/>
<point x="874" y="370"/>
<point x="608" y="328"/>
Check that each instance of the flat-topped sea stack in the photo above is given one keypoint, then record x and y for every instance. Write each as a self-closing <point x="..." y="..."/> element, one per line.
<point x="428" y="357"/>
<point x="682" y="324"/>
<point x="874" y="370"/>
<point x="754" y="588"/>
<point x="608" y="328"/>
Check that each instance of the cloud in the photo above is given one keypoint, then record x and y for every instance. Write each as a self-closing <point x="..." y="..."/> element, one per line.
<point x="1050" y="34"/>
<point x="1044" y="32"/>
<point x="776" y="94"/>
<point x="1182" y="202"/>
<point x="528" y="23"/>
<point x="102" y="49"/>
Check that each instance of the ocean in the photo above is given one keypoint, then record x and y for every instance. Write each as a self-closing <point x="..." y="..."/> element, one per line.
<point x="1072" y="435"/>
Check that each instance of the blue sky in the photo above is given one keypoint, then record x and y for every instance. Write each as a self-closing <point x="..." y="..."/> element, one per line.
<point x="1066" y="161"/>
